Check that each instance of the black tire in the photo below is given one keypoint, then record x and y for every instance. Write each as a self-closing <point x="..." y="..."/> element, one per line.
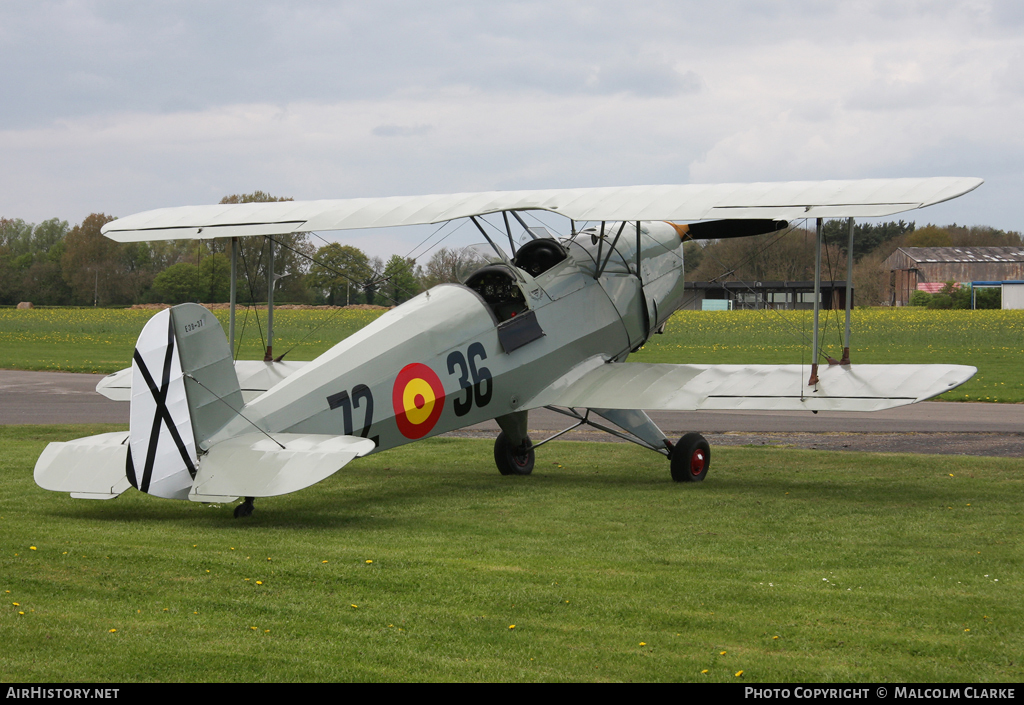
<point x="691" y="458"/>
<point x="244" y="509"/>
<point x="510" y="459"/>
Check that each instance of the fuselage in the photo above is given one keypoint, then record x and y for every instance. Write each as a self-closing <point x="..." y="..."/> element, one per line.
<point x="458" y="354"/>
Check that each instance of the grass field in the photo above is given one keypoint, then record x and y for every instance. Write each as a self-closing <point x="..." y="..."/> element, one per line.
<point x="102" y="340"/>
<point x="424" y="564"/>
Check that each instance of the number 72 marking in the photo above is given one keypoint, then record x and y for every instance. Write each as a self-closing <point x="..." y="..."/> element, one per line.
<point x="359" y="392"/>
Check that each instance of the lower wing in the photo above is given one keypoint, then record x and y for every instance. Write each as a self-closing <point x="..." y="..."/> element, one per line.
<point x="665" y="387"/>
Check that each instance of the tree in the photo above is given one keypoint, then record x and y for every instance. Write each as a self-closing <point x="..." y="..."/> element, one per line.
<point x="95" y="266"/>
<point x="952" y="295"/>
<point x="399" y="279"/>
<point x="372" y="282"/>
<point x="338" y="270"/>
<point x="871" y="280"/>
<point x="15" y="236"/>
<point x="30" y="257"/>
<point x="929" y="236"/>
<point x="982" y="236"/>
<point x="215" y="278"/>
<point x="451" y="266"/>
<point x="8" y="275"/>
<point x="177" y="284"/>
<point x="254" y="197"/>
<point x="867" y="237"/>
<point x="210" y="282"/>
<point x="693" y="255"/>
<point x="919" y="298"/>
<point x="785" y="256"/>
<point x="988" y="297"/>
<point x="47" y="235"/>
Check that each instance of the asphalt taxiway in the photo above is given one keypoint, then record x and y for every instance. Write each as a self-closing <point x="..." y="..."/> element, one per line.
<point x="928" y="427"/>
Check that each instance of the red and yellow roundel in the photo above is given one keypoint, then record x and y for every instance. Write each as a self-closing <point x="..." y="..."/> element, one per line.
<point x="418" y="398"/>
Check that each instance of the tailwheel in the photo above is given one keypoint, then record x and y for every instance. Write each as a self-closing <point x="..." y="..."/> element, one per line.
<point x="245" y="508"/>
<point x="691" y="458"/>
<point x="512" y="459"/>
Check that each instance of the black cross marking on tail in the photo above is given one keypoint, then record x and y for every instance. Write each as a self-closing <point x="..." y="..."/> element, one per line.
<point x="162" y="415"/>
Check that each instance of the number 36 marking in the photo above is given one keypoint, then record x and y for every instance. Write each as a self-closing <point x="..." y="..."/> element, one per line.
<point x="471" y="378"/>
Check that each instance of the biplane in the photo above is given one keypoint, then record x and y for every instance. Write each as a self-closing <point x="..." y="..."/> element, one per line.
<point x="547" y="323"/>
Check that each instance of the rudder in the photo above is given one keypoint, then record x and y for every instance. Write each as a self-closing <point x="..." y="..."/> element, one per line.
<point x="184" y="389"/>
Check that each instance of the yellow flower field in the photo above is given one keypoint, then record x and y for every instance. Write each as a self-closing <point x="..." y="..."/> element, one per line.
<point x="991" y="340"/>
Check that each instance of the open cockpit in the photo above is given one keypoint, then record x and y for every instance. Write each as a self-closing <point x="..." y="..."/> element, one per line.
<point x="497" y="286"/>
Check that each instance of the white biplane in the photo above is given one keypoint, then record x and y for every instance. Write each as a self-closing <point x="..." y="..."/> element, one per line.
<point x="547" y="324"/>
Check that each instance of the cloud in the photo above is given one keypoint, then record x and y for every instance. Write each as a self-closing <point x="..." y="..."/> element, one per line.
<point x="401" y="130"/>
<point x="120" y="107"/>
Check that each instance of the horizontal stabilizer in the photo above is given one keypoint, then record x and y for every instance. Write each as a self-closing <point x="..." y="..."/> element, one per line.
<point x="90" y="467"/>
<point x="253" y="465"/>
<point x="254" y="378"/>
<point x="635" y="385"/>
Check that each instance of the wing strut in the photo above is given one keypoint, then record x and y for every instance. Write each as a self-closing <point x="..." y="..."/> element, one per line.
<point x="639" y="276"/>
<point x="611" y="249"/>
<point x="508" y="230"/>
<point x="585" y="420"/>
<point x="234" y="293"/>
<point x="504" y="258"/>
<point x="269" y="356"/>
<point x="600" y="245"/>
<point x="817" y="305"/>
<point x="817" y="300"/>
<point x="525" y="227"/>
<point x="849" y="295"/>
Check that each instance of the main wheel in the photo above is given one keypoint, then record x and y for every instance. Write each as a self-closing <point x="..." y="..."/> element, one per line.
<point x="691" y="458"/>
<point x="245" y="508"/>
<point x="510" y="459"/>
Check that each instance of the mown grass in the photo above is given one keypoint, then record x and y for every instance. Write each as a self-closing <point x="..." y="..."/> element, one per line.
<point x="102" y="340"/>
<point x="414" y="565"/>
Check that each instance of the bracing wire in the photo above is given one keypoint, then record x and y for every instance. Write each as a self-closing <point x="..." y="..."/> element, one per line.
<point x="252" y="298"/>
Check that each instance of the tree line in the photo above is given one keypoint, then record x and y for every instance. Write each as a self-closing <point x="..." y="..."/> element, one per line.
<point x="789" y="255"/>
<point x="53" y="264"/>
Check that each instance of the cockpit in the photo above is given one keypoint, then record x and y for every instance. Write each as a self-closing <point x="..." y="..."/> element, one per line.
<point x="497" y="284"/>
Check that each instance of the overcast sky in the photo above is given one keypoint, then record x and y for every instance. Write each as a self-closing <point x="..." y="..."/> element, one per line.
<point x="120" y="107"/>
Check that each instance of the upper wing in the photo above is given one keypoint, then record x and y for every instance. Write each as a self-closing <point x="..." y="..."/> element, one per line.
<point x="636" y="385"/>
<point x="784" y="200"/>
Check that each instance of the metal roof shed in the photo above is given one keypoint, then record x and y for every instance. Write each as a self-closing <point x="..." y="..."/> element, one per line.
<point x="910" y="266"/>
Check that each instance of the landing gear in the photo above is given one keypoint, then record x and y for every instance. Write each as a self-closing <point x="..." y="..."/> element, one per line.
<point x="511" y="459"/>
<point x="691" y="458"/>
<point x="245" y="508"/>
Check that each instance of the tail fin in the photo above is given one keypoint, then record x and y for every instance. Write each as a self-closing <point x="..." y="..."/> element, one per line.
<point x="184" y="389"/>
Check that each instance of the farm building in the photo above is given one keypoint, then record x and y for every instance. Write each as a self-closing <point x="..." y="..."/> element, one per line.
<point x="910" y="266"/>
<point x="762" y="295"/>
